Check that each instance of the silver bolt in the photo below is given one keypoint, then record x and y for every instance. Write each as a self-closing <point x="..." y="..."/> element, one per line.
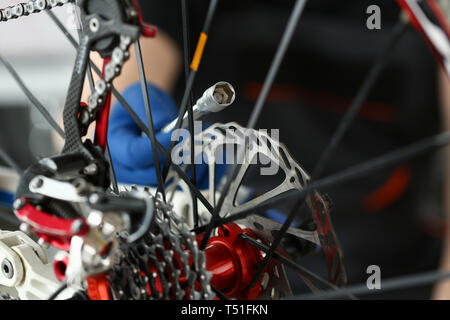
<point x="25" y="228"/>
<point x="90" y="170"/>
<point x="133" y="13"/>
<point x="76" y="226"/>
<point x="94" y="25"/>
<point x="94" y="198"/>
<point x="49" y="164"/>
<point x="18" y="204"/>
<point x="7" y="269"/>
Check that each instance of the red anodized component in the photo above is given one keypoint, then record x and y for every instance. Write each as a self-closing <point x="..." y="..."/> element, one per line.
<point x="56" y="231"/>
<point x="148" y="30"/>
<point x="60" y="263"/>
<point x="229" y="258"/>
<point x="98" y="288"/>
<point x="101" y="128"/>
<point x="231" y="261"/>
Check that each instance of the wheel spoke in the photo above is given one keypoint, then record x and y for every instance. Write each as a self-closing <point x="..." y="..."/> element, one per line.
<point x="161" y="149"/>
<point x="276" y="242"/>
<point x="10" y="161"/>
<point x="148" y="112"/>
<point x="344" y="124"/>
<point x="219" y="293"/>
<point x="58" y="291"/>
<point x="34" y="101"/>
<point x="186" y="55"/>
<point x="388" y="285"/>
<point x="62" y="28"/>
<point x="111" y="170"/>
<point x="192" y="74"/>
<point x="361" y="97"/>
<point x="311" y="279"/>
<point x="276" y="63"/>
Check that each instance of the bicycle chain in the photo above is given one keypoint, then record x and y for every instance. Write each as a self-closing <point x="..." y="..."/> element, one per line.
<point x="158" y="260"/>
<point x="30" y="7"/>
<point x="103" y="86"/>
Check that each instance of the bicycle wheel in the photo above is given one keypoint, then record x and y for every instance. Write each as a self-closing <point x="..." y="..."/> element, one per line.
<point x="132" y="243"/>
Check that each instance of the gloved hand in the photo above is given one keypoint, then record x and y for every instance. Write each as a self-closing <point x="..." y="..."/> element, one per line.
<point x="131" y="150"/>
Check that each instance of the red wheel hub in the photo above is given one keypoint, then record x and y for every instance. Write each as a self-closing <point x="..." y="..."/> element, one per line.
<point x="231" y="260"/>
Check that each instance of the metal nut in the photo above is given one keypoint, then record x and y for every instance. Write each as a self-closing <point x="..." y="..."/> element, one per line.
<point x="94" y="25"/>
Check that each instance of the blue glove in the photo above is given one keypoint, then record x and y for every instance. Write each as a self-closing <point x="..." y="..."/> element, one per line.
<point x="131" y="151"/>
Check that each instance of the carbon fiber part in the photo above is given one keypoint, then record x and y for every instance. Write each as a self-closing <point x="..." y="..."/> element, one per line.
<point x="98" y="30"/>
